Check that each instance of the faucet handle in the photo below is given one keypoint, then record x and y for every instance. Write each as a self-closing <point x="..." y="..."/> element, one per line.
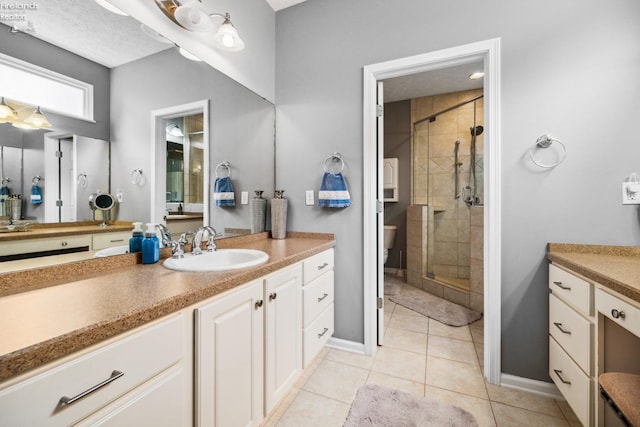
<point x="178" y="250"/>
<point x="184" y="237"/>
<point x="211" y="244"/>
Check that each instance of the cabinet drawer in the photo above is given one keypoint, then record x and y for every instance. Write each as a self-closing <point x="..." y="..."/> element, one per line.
<point x="316" y="265"/>
<point x="140" y="356"/>
<point x="571" y="289"/>
<point x="621" y="312"/>
<point x="316" y="335"/>
<point x="109" y="240"/>
<point x="316" y="297"/>
<point x="571" y="331"/>
<point x="574" y="385"/>
<point x="46" y="244"/>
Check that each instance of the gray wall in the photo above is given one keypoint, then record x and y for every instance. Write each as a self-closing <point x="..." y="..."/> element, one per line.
<point x="576" y="79"/>
<point x="397" y="143"/>
<point x="241" y="129"/>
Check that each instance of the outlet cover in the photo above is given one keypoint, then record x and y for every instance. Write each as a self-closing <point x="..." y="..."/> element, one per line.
<point x="244" y="198"/>
<point x="309" y="197"/>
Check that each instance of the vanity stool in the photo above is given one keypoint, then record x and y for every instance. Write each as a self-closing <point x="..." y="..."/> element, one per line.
<point x="621" y="391"/>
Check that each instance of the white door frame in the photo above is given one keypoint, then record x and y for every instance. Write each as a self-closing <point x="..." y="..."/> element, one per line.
<point x="489" y="52"/>
<point x="158" y="183"/>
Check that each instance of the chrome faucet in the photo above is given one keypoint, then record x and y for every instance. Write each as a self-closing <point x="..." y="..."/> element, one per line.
<point x="166" y="235"/>
<point x="197" y="239"/>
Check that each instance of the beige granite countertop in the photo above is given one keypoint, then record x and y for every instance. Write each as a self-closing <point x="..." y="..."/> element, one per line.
<point x="615" y="267"/>
<point x="66" y="308"/>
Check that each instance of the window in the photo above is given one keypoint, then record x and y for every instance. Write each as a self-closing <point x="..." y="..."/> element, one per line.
<point x="27" y="83"/>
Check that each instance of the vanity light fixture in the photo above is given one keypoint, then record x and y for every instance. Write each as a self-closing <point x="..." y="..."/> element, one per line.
<point x="173" y="129"/>
<point x="38" y="120"/>
<point x="6" y="112"/>
<point x="110" y="7"/>
<point x="35" y="120"/>
<point x="476" y="75"/>
<point x="184" y="52"/>
<point x="191" y="15"/>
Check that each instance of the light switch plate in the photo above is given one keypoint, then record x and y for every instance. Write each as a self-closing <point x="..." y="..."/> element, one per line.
<point x="120" y="197"/>
<point x="244" y="198"/>
<point x="630" y="193"/>
<point x="309" y="197"/>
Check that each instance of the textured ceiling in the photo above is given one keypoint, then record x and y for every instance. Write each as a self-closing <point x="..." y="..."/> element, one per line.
<point x="87" y="29"/>
<point x="282" y="4"/>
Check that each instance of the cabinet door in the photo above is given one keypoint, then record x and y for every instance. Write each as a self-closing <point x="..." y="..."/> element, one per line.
<point x="283" y="337"/>
<point x="229" y="359"/>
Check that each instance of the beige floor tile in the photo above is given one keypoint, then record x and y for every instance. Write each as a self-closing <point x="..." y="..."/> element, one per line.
<point x="404" y="311"/>
<point x="410" y="323"/>
<point x="442" y="330"/>
<point x="452" y="349"/>
<point x="306" y="373"/>
<point x="479" y="408"/>
<point x="455" y="376"/>
<point x="336" y="381"/>
<point x="312" y="410"/>
<point x="567" y="411"/>
<point x="524" y="400"/>
<point x="477" y="331"/>
<point x="348" y="358"/>
<point x="396" y="383"/>
<point x="400" y="363"/>
<point x="415" y="342"/>
<point x="281" y="408"/>
<point x="510" y="416"/>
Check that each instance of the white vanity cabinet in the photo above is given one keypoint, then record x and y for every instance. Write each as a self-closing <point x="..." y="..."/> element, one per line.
<point x="45" y="244"/>
<point x="109" y="240"/>
<point x="571" y="340"/>
<point x="317" y="297"/>
<point x="143" y="378"/>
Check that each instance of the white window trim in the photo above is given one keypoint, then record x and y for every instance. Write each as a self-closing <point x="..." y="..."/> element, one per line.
<point x="86" y="88"/>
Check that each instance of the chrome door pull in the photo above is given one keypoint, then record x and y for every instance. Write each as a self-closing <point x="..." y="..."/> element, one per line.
<point x="320" y="267"/>
<point x="563" y="330"/>
<point x="559" y="374"/>
<point x="323" y="297"/>
<point x="273" y="296"/>
<point x="323" y="332"/>
<point x="64" y="400"/>
<point x="559" y="284"/>
<point x="618" y="314"/>
<point x="259" y="303"/>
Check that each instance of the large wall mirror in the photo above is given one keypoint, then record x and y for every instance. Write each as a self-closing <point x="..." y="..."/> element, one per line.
<point x="240" y="122"/>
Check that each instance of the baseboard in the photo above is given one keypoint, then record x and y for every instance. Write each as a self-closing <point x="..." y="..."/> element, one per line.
<point x="345" y="345"/>
<point x="541" y="388"/>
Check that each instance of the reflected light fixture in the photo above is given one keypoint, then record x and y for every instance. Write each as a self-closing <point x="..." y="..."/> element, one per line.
<point x="6" y="112"/>
<point x="35" y="120"/>
<point x="184" y="52"/>
<point x="476" y="75"/>
<point x="111" y="8"/>
<point x="173" y="129"/>
<point x="191" y="15"/>
<point x="38" y="120"/>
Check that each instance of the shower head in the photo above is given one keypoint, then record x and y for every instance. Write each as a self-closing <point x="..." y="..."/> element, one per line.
<point x="476" y="130"/>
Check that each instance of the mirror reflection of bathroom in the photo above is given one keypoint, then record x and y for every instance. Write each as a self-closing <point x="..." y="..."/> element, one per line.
<point x="433" y="142"/>
<point x="185" y="161"/>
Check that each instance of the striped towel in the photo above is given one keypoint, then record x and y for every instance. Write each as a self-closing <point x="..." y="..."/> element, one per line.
<point x="333" y="191"/>
<point x="223" y="194"/>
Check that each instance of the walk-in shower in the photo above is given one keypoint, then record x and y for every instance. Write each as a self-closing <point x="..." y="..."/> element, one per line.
<point x="447" y="183"/>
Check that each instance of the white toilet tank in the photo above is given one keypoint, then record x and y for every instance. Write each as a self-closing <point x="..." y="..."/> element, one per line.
<point x="389" y="236"/>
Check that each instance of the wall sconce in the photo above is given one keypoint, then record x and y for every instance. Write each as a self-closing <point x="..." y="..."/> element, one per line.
<point x="35" y="120"/>
<point x="191" y="15"/>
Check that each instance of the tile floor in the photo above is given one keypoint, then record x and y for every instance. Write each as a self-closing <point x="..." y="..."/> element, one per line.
<point x="420" y="356"/>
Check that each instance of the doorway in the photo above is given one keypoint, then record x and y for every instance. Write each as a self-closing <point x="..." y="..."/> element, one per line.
<point x="489" y="53"/>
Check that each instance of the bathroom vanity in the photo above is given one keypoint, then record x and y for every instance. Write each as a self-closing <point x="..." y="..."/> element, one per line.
<point x="594" y="323"/>
<point x="142" y="344"/>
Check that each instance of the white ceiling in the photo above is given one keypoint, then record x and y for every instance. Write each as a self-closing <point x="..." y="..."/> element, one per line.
<point x="282" y="4"/>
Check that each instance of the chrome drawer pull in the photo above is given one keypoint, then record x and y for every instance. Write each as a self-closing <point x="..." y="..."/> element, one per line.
<point x="259" y="304"/>
<point x="323" y="297"/>
<point x="64" y="400"/>
<point x="116" y="240"/>
<point x="618" y="314"/>
<point x="559" y="284"/>
<point x="559" y="326"/>
<point x="63" y="244"/>
<point x="559" y="374"/>
<point x="320" y="267"/>
<point x="323" y="332"/>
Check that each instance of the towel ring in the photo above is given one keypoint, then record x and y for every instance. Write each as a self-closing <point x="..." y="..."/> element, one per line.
<point x="334" y="158"/>
<point x="6" y="180"/>
<point x="82" y="179"/>
<point x="545" y="141"/>
<point x="221" y="167"/>
<point x="136" y="177"/>
<point x="36" y="179"/>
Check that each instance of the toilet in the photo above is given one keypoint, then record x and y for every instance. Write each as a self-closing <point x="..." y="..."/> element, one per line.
<point x="389" y="238"/>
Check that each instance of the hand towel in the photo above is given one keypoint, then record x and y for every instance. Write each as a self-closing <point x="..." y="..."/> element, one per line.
<point x="333" y="191"/>
<point x="4" y="190"/>
<point x="223" y="194"/>
<point x="36" y="194"/>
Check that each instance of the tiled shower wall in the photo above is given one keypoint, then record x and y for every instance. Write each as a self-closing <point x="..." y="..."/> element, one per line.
<point x="433" y="182"/>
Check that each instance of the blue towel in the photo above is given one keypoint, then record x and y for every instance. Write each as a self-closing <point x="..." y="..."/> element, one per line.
<point x="223" y="192"/>
<point x="333" y="191"/>
<point x="36" y="194"/>
<point x="4" y="190"/>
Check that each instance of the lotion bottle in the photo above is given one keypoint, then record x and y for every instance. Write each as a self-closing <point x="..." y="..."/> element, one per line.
<point x="150" y="245"/>
<point x="135" y="242"/>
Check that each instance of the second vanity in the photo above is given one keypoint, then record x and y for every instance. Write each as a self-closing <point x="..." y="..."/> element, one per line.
<point x="594" y="323"/>
<point x="143" y="345"/>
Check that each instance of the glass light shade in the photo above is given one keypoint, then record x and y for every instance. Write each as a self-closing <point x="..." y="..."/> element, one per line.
<point x="227" y="38"/>
<point x="188" y="54"/>
<point x="192" y="16"/>
<point x="37" y="120"/>
<point x="6" y="112"/>
<point x="111" y="8"/>
<point x="476" y="75"/>
<point x="23" y="125"/>
<point x="173" y="129"/>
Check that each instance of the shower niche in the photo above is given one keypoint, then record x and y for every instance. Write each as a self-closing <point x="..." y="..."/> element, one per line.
<point x="445" y="219"/>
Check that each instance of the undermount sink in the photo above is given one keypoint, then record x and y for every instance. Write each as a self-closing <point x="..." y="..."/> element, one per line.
<point x="116" y="250"/>
<point x="220" y="260"/>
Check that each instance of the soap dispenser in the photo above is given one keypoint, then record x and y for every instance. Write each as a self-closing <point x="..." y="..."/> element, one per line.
<point x="135" y="242"/>
<point x="150" y="245"/>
